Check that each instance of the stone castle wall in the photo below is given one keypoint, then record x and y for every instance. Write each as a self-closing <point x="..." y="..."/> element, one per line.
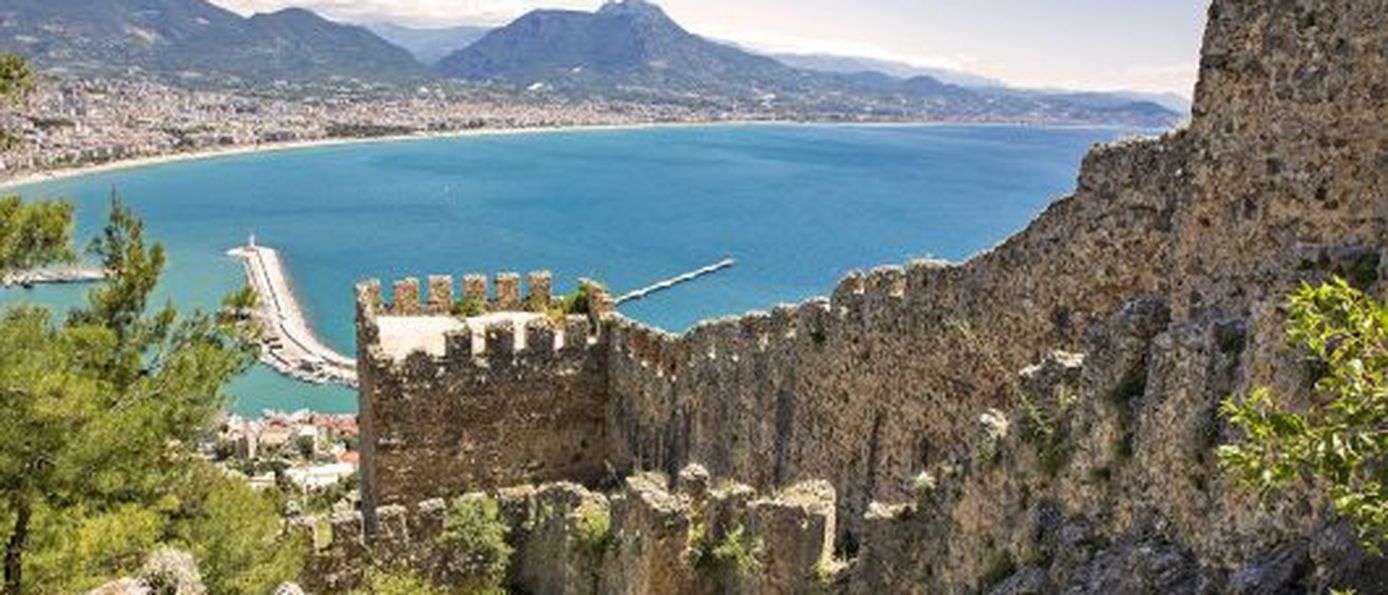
<point x="1146" y="297"/>
<point x="508" y="401"/>
<point x="658" y="538"/>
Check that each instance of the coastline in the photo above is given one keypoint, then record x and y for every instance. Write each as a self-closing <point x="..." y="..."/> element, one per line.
<point x="255" y="149"/>
<point x="41" y="177"/>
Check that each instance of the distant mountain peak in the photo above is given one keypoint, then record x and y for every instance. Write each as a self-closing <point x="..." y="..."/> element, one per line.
<point x="640" y="8"/>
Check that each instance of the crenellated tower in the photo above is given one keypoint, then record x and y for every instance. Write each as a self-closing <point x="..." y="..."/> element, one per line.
<point x="487" y="390"/>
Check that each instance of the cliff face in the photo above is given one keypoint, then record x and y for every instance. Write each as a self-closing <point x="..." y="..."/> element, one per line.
<point x="1116" y="322"/>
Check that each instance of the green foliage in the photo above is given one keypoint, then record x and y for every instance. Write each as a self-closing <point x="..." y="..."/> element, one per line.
<point x="76" y="551"/>
<point x="236" y="535"/>
<point x="580" y="301"/>
<point x="396" y="582"/>
<point x="16" y="82"/>
<point x="1341" y="439"/>
<point x="325" y="500"/>
<point x="1047" y="431"/>
<point x="593" y="531"/>
<point x="470" y="306"/>
<point x="736" y="552"/>
<point x="16" y="79"/>
<point x="34" y="234"/>
<point x="97" y="416"/>
<point x="305" y="447"/>
<point x="474" y="542"/>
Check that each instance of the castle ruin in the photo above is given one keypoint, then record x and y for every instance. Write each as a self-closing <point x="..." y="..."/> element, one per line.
<point x="1146" y="297"/>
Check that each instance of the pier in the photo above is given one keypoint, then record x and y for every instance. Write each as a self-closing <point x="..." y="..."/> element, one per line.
<point x="674" y="281"/>
<point x="287" y="343"/>
<point x="28" y="279"/>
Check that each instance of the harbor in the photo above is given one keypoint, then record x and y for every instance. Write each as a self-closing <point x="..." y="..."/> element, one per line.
<point x="287" y="342"/>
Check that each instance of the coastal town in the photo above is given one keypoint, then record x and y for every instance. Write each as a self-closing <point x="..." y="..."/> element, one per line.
<point x="311" y="458"/>
<point x="77" y="123"/>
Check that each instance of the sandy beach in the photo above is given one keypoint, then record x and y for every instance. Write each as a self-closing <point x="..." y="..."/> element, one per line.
<point x="74" y="172"/>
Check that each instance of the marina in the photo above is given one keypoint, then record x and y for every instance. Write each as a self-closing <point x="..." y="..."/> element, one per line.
<point x="287" y="343"/>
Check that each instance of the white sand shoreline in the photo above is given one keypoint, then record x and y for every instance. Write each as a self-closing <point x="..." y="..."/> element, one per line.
<point x="153" y="160"/>
<point x="141" y="162"/>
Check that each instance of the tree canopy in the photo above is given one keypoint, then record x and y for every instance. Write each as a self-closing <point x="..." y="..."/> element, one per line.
<point x="98" y="415"/>
<point x="16" y="82"/>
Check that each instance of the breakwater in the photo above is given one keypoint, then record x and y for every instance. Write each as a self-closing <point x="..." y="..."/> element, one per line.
<point x="670" y="283"/>
<point x="287" y="343"/>
<point x="29" y="279"/>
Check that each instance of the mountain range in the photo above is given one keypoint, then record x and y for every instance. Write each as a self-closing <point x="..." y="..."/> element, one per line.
<point x="429" y="45"/>
<point x="194" y="38"/>
<point x="627" y="49"/>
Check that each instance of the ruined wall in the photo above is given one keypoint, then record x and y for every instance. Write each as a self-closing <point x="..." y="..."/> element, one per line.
<point x="1151" y="293"/>
<point x="1279" y="178"/>
<point x="508" y="401"/>
<point x="653" y="538"/>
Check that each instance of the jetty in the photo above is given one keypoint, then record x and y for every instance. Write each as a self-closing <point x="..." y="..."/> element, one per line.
<point x="28" y="279"/>
<point x="287" y="342"/>
<point x="674" y="281"/>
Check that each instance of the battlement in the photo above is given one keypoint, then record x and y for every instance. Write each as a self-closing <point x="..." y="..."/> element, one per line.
<point x="477" y="328"/>
<point x="439" y="297"/>
<point x="449" y="381"/>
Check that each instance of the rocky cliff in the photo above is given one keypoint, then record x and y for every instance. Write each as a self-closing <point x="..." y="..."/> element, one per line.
<point x="1042" y="417"/>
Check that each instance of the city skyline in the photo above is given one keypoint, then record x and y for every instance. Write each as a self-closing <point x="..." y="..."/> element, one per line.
<point x="1146" y="46"/>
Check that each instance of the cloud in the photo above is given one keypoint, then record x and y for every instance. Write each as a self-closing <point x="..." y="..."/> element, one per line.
<point x="781" y="44"/>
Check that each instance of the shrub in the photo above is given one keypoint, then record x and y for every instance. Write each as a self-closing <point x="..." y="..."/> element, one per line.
<point x="470" y="306"/>
<point x="1338" y="441"/>
<point x="580" y="301"/>
<point x="396" y="582"/>
<point x="593" y="530"/>
<point x="474" y="542"/>
<point x="736" y="552"/>
<point x="924" y="486"/>
<point x="1047" y="432"/>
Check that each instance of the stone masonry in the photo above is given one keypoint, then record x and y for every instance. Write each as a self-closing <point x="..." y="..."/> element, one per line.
<point x="1129" y="308"/>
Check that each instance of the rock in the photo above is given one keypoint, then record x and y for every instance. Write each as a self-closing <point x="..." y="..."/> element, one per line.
<point x="1031" y="580"/>
<point x="171" y="572"/>
<point x="1140" y="566"/>
<point x="1282" y="571"/>
<point x="125" y="586"/>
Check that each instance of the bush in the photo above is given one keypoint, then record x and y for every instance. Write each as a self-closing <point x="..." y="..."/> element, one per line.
<point x="1047" y="431"/>
<point x="1338" y="441"/>
<point x="474" y="542"/>
<point x="470" y="306"/>
<point x="396" y="582"/>
<point x="924" y="486"/>
<point x="593" y="531"/>
<point x="736" y="552"/>
<point x="237" y="536"/>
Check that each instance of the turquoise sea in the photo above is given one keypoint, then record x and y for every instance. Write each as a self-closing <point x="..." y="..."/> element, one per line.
<point x="797" y="206"/>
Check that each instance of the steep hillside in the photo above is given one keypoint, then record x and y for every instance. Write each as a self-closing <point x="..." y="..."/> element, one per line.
<point x="194" y="38"/>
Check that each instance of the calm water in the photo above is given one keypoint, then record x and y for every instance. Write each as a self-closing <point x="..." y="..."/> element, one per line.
<point x="797" y="206"/>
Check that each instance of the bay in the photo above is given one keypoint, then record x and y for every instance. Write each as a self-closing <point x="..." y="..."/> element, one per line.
<point x="798" y="206"/>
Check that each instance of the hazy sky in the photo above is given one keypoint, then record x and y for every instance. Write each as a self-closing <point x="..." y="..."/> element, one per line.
<point x="1148" y="45"/>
